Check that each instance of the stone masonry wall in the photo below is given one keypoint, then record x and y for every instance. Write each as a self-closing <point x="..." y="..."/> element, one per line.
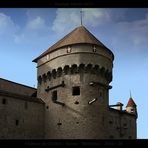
<point x="20" y="119"/>
<point x="77" y="119"/>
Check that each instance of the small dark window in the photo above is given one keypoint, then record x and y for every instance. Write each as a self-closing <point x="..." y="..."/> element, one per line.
<point x="54" y="96"/>
<point x="76" y="91"/>
<point x="100" y="93"/>
<point x="4" y="101"/>
<point x="130" y="137"/>
<point x="124" y="124"/>
<point x="16" y="122"/>
<point x="59" y="123"/>
<point x="26" y="105"/>
<point x="110" y="122"/>
<point x="111" y="137"/>
<point x="76" y="102"/>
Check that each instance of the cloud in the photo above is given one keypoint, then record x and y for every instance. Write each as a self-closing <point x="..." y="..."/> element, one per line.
<point x="35" y="28"/>
<point x="7" y="26"/>
<point x="67" y="19"/>
<point x="95" y="16"/>
<point x="36" y="23"/>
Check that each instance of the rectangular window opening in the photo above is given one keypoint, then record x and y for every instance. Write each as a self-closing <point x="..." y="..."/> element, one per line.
<point x="76" y="91"/>
<point x="16" y="122"/>
<point x="4" y="101"/>
<point x="54" y="96"/>
<point x="111" y="137"/>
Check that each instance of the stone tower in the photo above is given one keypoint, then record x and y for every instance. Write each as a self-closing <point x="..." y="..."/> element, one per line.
<point x="73" y="80"/>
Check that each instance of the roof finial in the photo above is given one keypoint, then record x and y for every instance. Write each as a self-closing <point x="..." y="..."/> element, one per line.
<point x="130" y="94"/>
<point x="81" y="16"/>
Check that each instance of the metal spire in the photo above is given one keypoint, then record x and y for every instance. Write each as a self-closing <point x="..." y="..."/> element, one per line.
<point x="81" y="16"/>
<point x="130" y="94"/>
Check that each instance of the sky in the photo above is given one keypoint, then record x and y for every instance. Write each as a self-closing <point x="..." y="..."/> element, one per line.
<point x="25" y="33"/>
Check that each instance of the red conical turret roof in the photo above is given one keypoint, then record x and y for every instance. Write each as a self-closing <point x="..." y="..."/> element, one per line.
<point x="131" y="103"/>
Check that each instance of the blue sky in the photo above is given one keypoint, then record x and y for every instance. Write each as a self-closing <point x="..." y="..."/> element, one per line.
<point x="26" y="33"/>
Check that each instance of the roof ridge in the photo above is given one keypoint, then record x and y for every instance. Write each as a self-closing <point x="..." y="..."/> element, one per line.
<point x="17" y="83"/>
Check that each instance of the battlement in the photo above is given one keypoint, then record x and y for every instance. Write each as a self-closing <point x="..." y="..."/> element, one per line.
<point x="76" y="69"/>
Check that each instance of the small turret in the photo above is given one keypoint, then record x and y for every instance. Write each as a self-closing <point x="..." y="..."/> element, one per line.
<point x="131" y="106"/>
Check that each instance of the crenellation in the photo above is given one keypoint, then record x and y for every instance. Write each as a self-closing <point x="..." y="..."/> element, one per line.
<point x="49" y="75"/>
<point x="44" y="77"/>
<point x="75" y="69"/>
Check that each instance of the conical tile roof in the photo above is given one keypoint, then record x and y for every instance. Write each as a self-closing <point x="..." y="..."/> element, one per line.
<point x="131" y="103"/>
<point x="77" y="36"/>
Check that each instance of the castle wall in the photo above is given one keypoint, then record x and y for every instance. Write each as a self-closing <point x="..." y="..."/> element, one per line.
<point x="78" y="120"/>
<point x="120" y="125"/>
<point x="20" y="119"/>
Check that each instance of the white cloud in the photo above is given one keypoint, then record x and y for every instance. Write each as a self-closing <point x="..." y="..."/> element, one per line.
<point x="95" y="16"/>
<point x="35" y="28"/>
<point x="66" y="19"/>
<point x="7" y="26"/>
<point x="36" y="23"/>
